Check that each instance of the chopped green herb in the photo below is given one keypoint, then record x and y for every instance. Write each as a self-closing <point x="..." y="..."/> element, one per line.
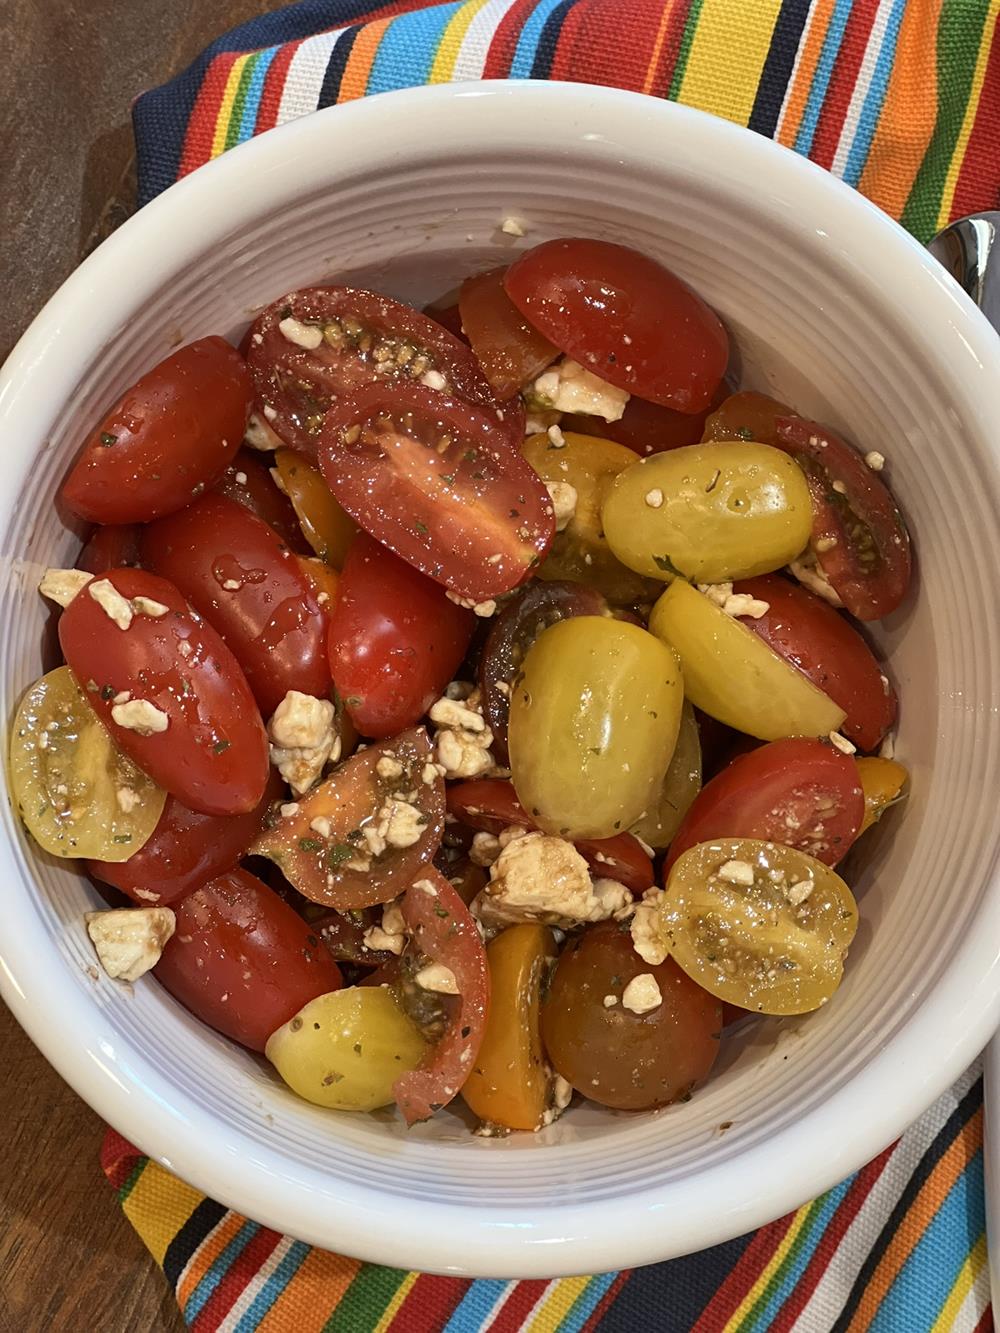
<point x="744" y="433"/>
<point x="123" y="837"/>
<point x="107" y="692"/>
<point x="667" y="565"/>
<point x="469" y="456"/>
<point x="448" y="478"/>
<point x="108" y="440"/>
<point x="309" y="845"/>
<point x="714" y="482"/>
<point x="343" y="851"/>
<point x="441" y="912"/>
<point x="420" y="527"/>
<point x="220" y="747"/>
<point x="353" y="701"/>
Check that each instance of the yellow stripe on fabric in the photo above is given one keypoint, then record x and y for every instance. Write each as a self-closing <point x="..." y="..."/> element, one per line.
<point x="392" y="1309"/>
<point x="777" y="1259"/>
<point x="557" y="1305"/>
<point x="158" y="1206"/>
<point x="451" y="41"/>
<point x="727" y="56"/>
<point x="226" y="105"/>
<point x="972" y="107"/>
<point x="967" y="1275"/>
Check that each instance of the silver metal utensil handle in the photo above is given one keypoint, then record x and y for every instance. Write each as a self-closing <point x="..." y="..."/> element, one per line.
<point x="970" y="250"/>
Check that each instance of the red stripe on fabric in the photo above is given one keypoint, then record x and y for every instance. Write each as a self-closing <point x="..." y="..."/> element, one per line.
<point x="603" y="1305"/>
<point x="429" y="1303"/>
<point x="118" y="1158"/>
<point x="521" y="1301"/>
<point x="571" y="55"/>
<point x="500" y="56"/>
<point x="201" y="127"/>
<point x="842" y="80"/>
<point x="753" y="1261"/>
<point x="978" y="184"/>
<point x="591" y="31"/>
<point x="985" y="1324"/>
<point x="829" y="1242"/>
<point x="234" y="1283"/>
<point x="659" y="84"/>
<point x="274" y="86"/>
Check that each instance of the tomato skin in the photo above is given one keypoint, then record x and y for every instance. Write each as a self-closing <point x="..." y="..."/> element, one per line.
<point x="625" y="318"/>
<point x="801" y="792"/>
<point x="166" y="439"/>
<point x="242" y="960"/>
<point x="746" y="415"/>
<point x="812" y="636"/>
<point x="260" y="495"/>
<point x="448" y="315"/>
<point x="185" y="850"/>
<point x="272" y="621"/>
<point x="869" y="561"/>
<point x="510" y="351"/>
<point x="395" y="640"/>
<point x="213" y="755"/>
<point x="436" y="481"/>
<point x="649" y="428"/>
<point x="110" y="546"/>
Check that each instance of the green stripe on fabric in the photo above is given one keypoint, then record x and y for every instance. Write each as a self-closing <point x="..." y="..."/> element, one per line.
<point x="684" y="50"/>
<point x="365" y="1300"/>
<point x="239" y="101"/>
<point x="959" y="35"/>
<point x="818" y="1217"/>
<point x="133" y="1179"/>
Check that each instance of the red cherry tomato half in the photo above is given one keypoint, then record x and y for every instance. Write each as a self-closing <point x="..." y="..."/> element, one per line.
<point x="186" y="849"/>
<point x="234" y="571"/>
<point x="801" y="792"/>
<point x="625" y="318"/>
<point x="200" y="735"/>
<point x="242" y="960"/>
<point x="166" y="439"/>
<point x="437" y="482"/>
<point x="648" y="428"/>
<point x="313" y="347"/>
<point x="248" y="481"/>
<point x="510" y="351"/>
<point x="395" y="639"/>
<point x="491" y="804"/>
<point x="858" y="533"/>
<point x="447" y="314"/>
<point x="811" y="635"/>
<point x="110" y="547"/>
<point x="443" y="930"/>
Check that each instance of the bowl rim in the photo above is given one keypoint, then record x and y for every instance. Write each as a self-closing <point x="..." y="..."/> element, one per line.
<point x="168" y="1125"/>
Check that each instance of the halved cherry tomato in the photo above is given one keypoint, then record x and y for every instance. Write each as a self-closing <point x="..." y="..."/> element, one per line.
<point x="648" y="428"/>
<point x="859" y="535"/>
<point x="235" y="572"/>
<point x="436" y="481"/>
<point x="248" y="481"/>
<point x="329" y="846"/>
<point x="446" y="313"/>
<point x="624" y="317"/>
<point x="324" y="579"/>
<point x="811" y="635"/>
<point x="201" y="736"/>
<point x="111" y="546"/>
<point x="510" y="351"/>
<point x="242" y="960"/>
<point x="327" y="529"/>
<point x="800" y="792"/>
<point x="395" y="640"/>
<point x="166" y="439"/>
<point x="313" y="347"/>
<point x="442" y="928"/>
<point x="512" y="634"/>
<point x="747" y="416"/>
<point x="186" y="849"/>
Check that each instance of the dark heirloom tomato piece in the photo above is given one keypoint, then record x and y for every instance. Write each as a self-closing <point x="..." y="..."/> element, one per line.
<point x="746" y="415"/>
<point x="442" y="928"/>
<point x="248" y="481"/>
<point x="510" y="351"/>
<point x="648" y="428"/>
<point x="447" y="314"/>
<point x="800" y="792"/>
<point x="186" y="849"/>
<point x="811" y="635"/>
<point x="512" y="634"/>
<point x="243" y="961"/>
<point x="168" y="689"/>
<point x="112" y="546"/>
<point x="858" y="534"/>
<point x="166" y="439"/>
<point x="625" y="318"/>
<point x="315" y="346"/>
<point x="236" y="572"/>
<point x="436" y="481"/>
<point x="395" y="642"/>
<point x="365" y="833"/>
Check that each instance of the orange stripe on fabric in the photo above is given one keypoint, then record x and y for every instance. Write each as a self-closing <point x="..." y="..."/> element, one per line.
<point x="312" y="1295"/>
<point x="918" y="1218"/>
<point x="819" y="22"/>
<point x="908" y="113"/>
<point x="206" y="1254"/>
<point x="659" y="39"/>
<point x="354" y="84"/>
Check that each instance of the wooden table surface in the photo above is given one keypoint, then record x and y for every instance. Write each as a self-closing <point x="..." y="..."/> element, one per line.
<point x="68" y="1258"/>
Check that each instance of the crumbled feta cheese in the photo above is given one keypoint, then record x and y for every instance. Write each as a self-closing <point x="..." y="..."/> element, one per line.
<point x="240" y="478"/>
<point x="564" y="498"/>
<point x="485" y="849"/>
<point x="426" y="886"/>
<point x="290" y="809"/>
<point x="389" y="767"/>
<point x="840" y="488"/>
<point x="141" y="716"/>
<point x="811" y="574"/>
<point x="654" y="498"/>
<point x="130" y="940"/>
<point x="127" y="799"/>
<point x="438" y="978"/>
<point x="734" y="603"/>
<point x="512" y="227"/>
<point x="463" y="740"/>
<point x="303" y="736"/>
<point x="62" y="585"/>
<point x="649" y="935"/>
<point x="842" y="743"/>
<point x="540" y="878"/>
<point x="122" y="697"/>
<point x="610" y="1001"/>
<point x="397" y="824"/>
<point x="568" y="387"/>
<point x="875" y="460"/>
<point x="232" y="585"/>
<point x="116" y="607"/>
<point x="562" y="1092"/>
<point x="642" y="994"/>
<point x="294" y="331"/>
<point x="737" y="872"/>
<point x="259" y="435"/>
<point x="446" y="712"/>
<point x="797" y="893"/>
<point x="433" y="379"/>
<point x="146" y="606"/>
<point x="391" y="934"/>
<point x="556" y="438"/>
<point x="484" y="609"/>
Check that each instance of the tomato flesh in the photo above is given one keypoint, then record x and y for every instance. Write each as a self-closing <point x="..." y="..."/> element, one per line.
<point x="248" y="481"/>
<point x="510" y="350"/>
<point x="110" y="546"/>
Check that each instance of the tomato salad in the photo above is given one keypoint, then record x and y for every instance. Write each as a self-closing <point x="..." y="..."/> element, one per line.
<point x="471" y="704"/>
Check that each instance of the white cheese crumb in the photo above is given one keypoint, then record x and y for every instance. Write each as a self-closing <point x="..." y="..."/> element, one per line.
<point x="127" y="799"/>
<point x="62" y="585"/>
<point x="290" y="809"/>
<point x="396" y="824"/>
<point x="875" y="460"/>
<point x="294" y="331"/>
<point x="447" y="712"/>
<point x="840" y="488"/>
<point x="483" y="609"/>
<point x="654" y="498"/>
<point x="259" y="435"/>
<point x="117" y="608"/>
<point x="642" y="994"/>
<point x="564" y="498"/>
<point x="649" y="936"/>
<point x="426" y="886"/>
<point x="438" y="978"/>
<point x="568" y="387"/>
<point x="303" y="737"/>
<point x="389" y="767"/>
<point x="842" y="743"/>
<point x="141" y="716"/>
<point x="540" y="878"/>
<point x="610" y="1001"/>
<point x="737" y="872"/>
<point x="232" y="585"/>
<point x="240" y="478"/>
<point x="556" y="438"/>
<point x="734" y="603"/>
<point x="462" y="742"/>
<point x="433" y="379"/>
<point x="130" y="940"/>
<point x="146" y="606"/>
<point x="391" y="934"/>
<point x="797" y="893"/>
<point x="485" y="849"/>
<point x="811" y="575"/>
<point x="512" y="227"/>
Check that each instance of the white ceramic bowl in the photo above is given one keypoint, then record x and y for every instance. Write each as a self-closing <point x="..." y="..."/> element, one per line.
<point x="848" y="319"/>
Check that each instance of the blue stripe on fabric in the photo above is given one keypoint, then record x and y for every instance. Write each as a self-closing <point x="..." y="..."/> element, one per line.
<point x="408" y="47"/>
<point x="924" y="1283"/>
<point x="875" y="97"/>
<point x="255" y="89"/>
<point x="290" y="1264"/>
<point x="821" y="79"/>
<point x="527" y="43"/>
<point x="470" y="1313"/>
<point x="586" y="1303"/>
<point x="220" y="1267"/>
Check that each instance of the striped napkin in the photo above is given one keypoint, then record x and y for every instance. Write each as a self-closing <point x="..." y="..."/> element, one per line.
<point x="901" y="98"/>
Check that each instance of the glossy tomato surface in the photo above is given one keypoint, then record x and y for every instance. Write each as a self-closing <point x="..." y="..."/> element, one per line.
<point x="235" y="571"/>
<point x="110" y="547"/>
<point x="395" y="639"/>
<point x="249" y="482"/>
<point x="166" y="439"/>
<point x="624" y="317"/>
<point x="242" y="960"/>
<point x="437" y="481"/>
<point x="746" y="415"/>
<point x="510" y="350"/>
<point x="204" y="741"/>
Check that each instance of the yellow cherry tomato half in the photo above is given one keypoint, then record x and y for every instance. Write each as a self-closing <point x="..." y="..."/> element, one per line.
<point x="882" y="781"/>
<point x="680" y="786"/>
<point x="758" y="924"/>
<point x="327" y="528"/>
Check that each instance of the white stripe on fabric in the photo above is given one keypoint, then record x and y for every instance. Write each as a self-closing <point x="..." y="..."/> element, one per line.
<point x="498" y="1305"/>
<point x="803" y="42"/>
<point x="254" y="1286"/>
<point x="866" y="72"/>
<point x="305" y="74"/>
<point x="977" y="1298"/>
<point x="471" y="59"/>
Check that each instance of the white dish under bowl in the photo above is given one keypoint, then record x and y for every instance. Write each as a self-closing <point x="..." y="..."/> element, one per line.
<point x="842" y="315"/>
